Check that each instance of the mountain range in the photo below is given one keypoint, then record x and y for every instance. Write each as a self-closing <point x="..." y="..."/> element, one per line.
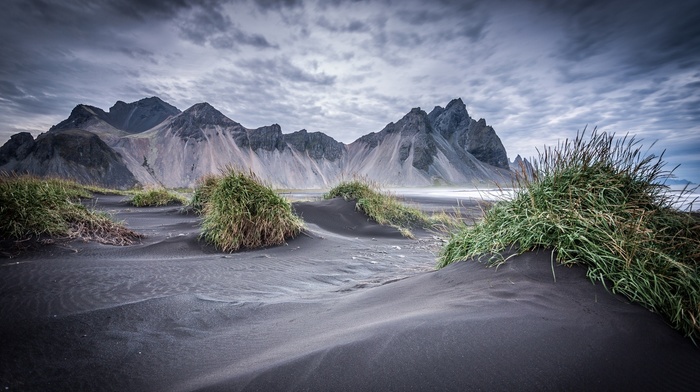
<point x="150" y="142"/>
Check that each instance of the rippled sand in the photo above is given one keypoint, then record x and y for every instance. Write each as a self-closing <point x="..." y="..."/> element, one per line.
<point x="348" y="305"/>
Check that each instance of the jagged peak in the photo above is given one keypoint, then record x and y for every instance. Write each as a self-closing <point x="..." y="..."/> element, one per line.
<point x="204" y="109"/>
<point x="192" y="122"/>
<point x="456" y="107"/>
<point x="275" y="127"/>
<point x="415" y="115"/>
<point x="456" y="102"/>
<point x="436" y="110"/>
<point x="200" y="107"/>
<point x="139" y="116"/>
<point x="303" y="133"/>
<point x="206" y="114"/>
<point x="81" y="108"/>
<point x="150" y="101"/>
<point x="318" y="145"/>
<point x="79" y="116"/>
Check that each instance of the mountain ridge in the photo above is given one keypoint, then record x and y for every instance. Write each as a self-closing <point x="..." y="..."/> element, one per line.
<point x="71" y="153"/>
<point x="445" y="146"/>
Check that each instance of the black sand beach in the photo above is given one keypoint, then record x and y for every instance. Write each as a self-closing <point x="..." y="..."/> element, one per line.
<point x="347" y="305"/>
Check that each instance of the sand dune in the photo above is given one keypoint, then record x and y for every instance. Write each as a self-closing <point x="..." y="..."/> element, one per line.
<point x="348" y="305"/>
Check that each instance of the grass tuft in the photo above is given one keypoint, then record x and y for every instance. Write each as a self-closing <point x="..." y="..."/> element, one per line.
<point x="386" y="209"/>
<point x="31" y="207"/>
<point x="203" y="191"/>
<point x="156" y="197"/>
<point x="240" y="212"/>
<point x="600" y="201"/>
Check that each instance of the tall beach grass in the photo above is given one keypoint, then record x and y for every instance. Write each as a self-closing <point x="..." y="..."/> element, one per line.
<point x="32" y="207"/>
<point x="241" y="212"/>
<point x="203" y="190"/>
<point x="600" y="201"/>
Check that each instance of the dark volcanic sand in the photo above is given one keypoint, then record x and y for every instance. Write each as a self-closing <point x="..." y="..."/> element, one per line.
<point x="349" y="305"/>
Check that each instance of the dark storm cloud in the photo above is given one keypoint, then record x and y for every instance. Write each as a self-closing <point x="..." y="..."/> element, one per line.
<point x="76" y="12"/>
<point x="352" y="26"/>
<point x="135" y="53"/>
<point x="406" y="39"/>
<point x="474" y="30"/>
<point x="420" y="17"/>
<point x="691" y="109"/>
<point x="211" y="25"/>
<point x="203" y="23"/>
<point x="645" y="35"/>
<point x="467" y="21"/>
<point x="267" y="5"/>
<point x="9" y="90"/>
<point x="237" y="37"/>
<point x="279" y="67"/>
<point x="678" y="44"/>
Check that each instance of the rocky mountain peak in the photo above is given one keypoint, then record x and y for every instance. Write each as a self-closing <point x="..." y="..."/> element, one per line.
<point x="435" y="113"/>
<point x="69" y="153"/>
<point x="451" y="119"/>
<point x="18" y="147"/>
<point x="80" y="117"/>
<point x="521" y="166"/>
<point x="456" y="104"/>
<point x="132" y="117"/>
<point x="318" y="145"/>
<point x="140" y="116"/>
<point x="415" y="121"/>
<point x="192" y="122"/>
<point x="268" y="138"/>
<point x="205" y="114"/>
<point x="481" y="141"/>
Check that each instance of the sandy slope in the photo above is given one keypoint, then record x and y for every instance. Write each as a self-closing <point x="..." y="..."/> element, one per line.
<point x="349" y="305"/>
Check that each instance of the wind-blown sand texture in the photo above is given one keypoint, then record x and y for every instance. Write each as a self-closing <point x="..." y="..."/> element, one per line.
<point x="348" y="305"/>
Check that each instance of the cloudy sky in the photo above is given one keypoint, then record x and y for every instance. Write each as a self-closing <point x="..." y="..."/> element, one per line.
<point x="538" y="71"/>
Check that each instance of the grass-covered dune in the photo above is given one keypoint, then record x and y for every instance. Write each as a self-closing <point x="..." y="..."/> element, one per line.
<point x="241" y="212"/>
<point x="386" y="209"/>
<point x="156" y="197"/>
<point x="31" y="207"/>
<point x="600" y="201"/>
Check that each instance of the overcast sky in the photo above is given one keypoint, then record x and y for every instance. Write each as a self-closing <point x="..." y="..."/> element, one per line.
<point x="537" y="71"/>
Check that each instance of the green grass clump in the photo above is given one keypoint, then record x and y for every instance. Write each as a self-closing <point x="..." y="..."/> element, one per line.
<point x="156" y="197"/>
<point x="385" y="209"/>
<point x="241" y="212"/>
<point x="203" y="191"/>
<point x="600" y="202"/>
<point x="33" y="207"/>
